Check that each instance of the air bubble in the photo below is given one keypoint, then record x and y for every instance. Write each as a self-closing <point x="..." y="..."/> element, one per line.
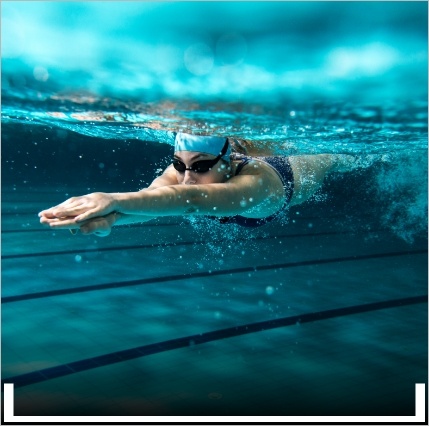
<point x="269" y="290"/>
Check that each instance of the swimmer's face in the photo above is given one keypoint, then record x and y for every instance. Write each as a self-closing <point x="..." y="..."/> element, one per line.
<point x="219" y="172"/>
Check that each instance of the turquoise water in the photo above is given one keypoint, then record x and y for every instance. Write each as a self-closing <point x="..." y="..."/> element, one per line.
<point x="185" y="316"/>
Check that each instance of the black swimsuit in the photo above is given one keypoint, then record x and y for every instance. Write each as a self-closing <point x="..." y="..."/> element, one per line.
<point x="283" y="168"/>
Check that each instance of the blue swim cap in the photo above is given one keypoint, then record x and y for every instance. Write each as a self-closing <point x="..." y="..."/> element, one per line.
<point x="206" y="144"/>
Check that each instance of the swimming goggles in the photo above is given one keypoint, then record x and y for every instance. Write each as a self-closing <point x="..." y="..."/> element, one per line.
<point x="202" y="166"/>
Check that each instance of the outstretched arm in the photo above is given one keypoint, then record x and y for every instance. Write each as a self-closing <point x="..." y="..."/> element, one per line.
<point x="259" y="191"/>
<point x="58" y="216"/>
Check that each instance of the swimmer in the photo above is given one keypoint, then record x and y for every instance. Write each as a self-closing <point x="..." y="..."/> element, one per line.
<point x="211" y="176"/>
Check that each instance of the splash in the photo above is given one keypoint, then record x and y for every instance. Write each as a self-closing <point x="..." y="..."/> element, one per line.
<point x="228" y="240"/>
<point x="402" y="188"/>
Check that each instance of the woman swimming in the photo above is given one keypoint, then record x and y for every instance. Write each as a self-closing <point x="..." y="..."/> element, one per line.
<point x="207" y="177"/>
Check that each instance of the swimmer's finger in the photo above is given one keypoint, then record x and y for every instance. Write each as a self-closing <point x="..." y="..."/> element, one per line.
<point x="58" y="211"/>
<point x="72" y="227"/>
<point x="87" y="215"/>
<point x="50" y="211"/>
<point x="54" y="219"/>
<point x="44" y="220"/>
<point x="64" y="223"/>
<point x="70" y="207"/>
<point x="72" y="210"/>
<point x="46" y="213"/>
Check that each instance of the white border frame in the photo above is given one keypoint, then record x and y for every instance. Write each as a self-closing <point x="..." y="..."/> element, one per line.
<point x="9" y="417"/>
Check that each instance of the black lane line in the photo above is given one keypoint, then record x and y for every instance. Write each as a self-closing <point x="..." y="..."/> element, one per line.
<point x="175" y="244"/>
<point x="154" y="280"/>
<point x="197" y="339"/>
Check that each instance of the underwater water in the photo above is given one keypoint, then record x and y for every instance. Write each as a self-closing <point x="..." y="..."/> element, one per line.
<point x="323" y="312"/>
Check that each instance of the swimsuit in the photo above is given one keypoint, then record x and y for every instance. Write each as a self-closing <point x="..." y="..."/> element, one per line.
<point x="284" y="170"/>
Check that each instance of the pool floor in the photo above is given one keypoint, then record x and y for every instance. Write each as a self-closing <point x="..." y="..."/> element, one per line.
<point x="172" y="318"/>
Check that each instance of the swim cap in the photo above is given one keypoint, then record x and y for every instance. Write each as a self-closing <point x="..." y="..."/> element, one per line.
<point x="206" y="144"/>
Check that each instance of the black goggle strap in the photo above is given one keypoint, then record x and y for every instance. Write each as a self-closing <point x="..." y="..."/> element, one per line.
<point x="224" y="149"/>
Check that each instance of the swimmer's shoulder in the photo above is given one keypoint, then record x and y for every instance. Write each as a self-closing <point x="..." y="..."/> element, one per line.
<point x="247" y="165"/>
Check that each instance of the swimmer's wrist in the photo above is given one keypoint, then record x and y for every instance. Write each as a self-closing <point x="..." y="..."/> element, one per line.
<point x="130" y="202"/>
<point x="114" y="217"/>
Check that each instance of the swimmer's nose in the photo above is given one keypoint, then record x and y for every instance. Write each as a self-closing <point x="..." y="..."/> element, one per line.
<point x="189" y="178"/>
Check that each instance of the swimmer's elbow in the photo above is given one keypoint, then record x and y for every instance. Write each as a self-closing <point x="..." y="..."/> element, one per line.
<point x="196" y="202"/>
<point x="190" y="201"/>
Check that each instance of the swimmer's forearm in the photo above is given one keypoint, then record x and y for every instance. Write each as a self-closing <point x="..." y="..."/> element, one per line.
<point x="129" y="219"/>
<point x="165" y="202"/>
<point x="176" y="200"/>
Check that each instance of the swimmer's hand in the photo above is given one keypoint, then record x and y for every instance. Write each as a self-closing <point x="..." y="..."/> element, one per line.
<point x="99" y="226"/>
<point x="59" y="222"/>
<point x="76" y="210"/>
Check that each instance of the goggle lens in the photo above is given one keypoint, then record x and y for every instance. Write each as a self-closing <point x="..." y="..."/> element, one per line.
<point x="202" y="166"/>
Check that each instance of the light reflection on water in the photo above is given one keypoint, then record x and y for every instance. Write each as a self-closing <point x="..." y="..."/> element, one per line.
<point x="229" y="50"/>
<point x="304" y="77"/>
<point x="287" y="129"/>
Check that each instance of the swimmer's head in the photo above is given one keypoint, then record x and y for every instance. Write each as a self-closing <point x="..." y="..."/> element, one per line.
<point x="212" y="145"/>
<point x="201" y="159"/>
